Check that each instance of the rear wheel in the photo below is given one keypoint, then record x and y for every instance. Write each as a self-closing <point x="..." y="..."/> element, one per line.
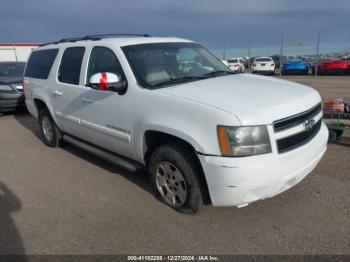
<point x="50" y="133"/>
<point x="173" y="172"/>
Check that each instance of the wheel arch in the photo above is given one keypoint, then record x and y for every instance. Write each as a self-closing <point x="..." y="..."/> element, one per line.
<point x="152" y="139"/>
<point x="40" y="103"/>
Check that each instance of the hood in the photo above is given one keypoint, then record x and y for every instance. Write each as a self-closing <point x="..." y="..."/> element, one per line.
<point x="253" y="99"/>
<point x="11" y="80"/>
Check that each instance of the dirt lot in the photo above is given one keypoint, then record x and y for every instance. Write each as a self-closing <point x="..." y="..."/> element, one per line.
<point x="64" y="201"/>
<point x="330" y="87"/>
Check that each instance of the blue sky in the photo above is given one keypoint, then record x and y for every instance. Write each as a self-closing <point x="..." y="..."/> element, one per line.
<point x="238" y="23"/>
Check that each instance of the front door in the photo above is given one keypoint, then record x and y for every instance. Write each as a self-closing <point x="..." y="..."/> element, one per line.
<point x="107" y="117"/>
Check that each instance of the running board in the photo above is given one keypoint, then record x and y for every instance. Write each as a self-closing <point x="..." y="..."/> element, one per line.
<point x="127" y="164"/>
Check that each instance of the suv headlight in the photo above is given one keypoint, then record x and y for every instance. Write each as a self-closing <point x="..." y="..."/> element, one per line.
<point x="5" y="88"/>
<point x="243" y="141"/>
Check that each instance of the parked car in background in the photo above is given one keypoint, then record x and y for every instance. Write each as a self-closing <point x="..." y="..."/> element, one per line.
<point x="276" y="59"/>
<point x="263" y="65"/>
<point x="246" y="62"/>
<point x="295" y="65"/>
<point x="236" y="64"/>
<point x="332" y="65"/>
<point x="203" y="132"/>
<point x="11" y="88"/>
<point x="225" y="62"/>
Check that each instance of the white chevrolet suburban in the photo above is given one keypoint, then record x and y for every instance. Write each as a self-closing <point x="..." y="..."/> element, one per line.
<point x="204" y="133"/>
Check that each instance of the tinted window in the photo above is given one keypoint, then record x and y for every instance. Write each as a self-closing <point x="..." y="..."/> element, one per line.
<point x="40" y="63"/>
<point x="103" y="59"/>
<point x="263" y="59"/>
<point x="232" y="61"/>
<point x="11" y="69"/>
<point x="69" y="71"/>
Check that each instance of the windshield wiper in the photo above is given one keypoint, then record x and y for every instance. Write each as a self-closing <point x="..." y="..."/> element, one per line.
<point x="179" y="80"/>
<point x="193" y="78"/>
<point x="217" y="73"/>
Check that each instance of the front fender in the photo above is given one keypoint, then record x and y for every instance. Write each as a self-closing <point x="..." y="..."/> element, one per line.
<point x="193" y="122"/>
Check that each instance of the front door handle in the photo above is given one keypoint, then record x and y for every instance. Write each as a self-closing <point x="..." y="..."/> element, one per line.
<point x="58" y="93"/>
<point x="87" y="100"/>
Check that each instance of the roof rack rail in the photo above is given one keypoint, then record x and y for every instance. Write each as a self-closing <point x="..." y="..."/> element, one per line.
<point x="72" y="39"/>
<point x="92" y="38"/>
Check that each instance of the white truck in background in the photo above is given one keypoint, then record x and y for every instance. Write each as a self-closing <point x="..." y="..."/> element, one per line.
<point x="14" y="52"/>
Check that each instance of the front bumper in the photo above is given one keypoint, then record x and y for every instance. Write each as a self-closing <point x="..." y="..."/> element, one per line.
<point x="11" y="101"/>
<point x="263" y="70"/>
<point x="295" y="71"/>
<point x="240" y="181"/>
<point x="334" y="71"/>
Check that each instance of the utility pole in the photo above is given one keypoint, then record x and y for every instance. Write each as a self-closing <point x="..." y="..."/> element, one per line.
<point x="317" y="52"/>
<point x="224" y="51"/>
<point x="249" y="57"/>
<point x="281" y="53"/>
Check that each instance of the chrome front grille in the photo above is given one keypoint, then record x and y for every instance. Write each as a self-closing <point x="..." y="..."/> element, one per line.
<point x="294" y="141"/>
<point x="295" y="131"/>
<point x="295" y="120"/>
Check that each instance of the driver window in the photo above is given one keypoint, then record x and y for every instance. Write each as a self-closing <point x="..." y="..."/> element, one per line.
<point x="103" y="59"/>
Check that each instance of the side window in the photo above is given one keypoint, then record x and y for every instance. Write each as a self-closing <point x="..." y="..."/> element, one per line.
<point x="40" y="63"/>
<point x="69" y="71"/>
<point x="103" y="59"/>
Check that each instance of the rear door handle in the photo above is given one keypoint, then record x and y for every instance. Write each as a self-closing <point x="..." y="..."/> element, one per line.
<point x="58" y="93"/>
<point x="87" y="100"/>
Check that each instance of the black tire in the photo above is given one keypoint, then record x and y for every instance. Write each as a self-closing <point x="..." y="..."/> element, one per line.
<point x="184" y="160"/>
<point x="45" y="118"/>
<point x="339" y="133"/>
<point x="332" y="137"/>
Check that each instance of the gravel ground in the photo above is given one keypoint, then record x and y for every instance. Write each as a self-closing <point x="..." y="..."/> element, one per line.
<point x="330" y="87"/>
<point x="64" y="201"/>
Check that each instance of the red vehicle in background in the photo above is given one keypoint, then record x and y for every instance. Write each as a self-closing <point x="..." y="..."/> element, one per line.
<point x="332" y="65"/>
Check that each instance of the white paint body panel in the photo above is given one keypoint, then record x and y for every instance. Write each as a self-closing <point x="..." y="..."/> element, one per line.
<point x="190" y="111"/>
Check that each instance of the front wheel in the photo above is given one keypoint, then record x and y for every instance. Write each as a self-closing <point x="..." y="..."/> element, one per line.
<point x="50" y="133"/>
<point x="173" y="172"/>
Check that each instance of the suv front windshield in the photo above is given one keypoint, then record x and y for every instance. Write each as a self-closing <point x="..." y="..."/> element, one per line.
<point x="160" y="64"/>
<point x="11" y="69"/>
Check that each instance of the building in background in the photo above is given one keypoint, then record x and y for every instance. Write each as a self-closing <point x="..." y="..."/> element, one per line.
<point x="15" y="51"/>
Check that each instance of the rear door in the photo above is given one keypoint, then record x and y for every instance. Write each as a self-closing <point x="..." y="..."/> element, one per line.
<point x="66" y="92"/>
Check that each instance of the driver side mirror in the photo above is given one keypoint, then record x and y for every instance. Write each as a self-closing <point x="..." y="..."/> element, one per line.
<point x="106" y="81"/>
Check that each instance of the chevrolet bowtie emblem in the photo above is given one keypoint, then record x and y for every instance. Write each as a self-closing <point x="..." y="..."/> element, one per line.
<point x="308" y="124"/>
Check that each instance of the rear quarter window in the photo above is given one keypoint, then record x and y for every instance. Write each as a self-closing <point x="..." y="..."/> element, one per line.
<point x="70" y="67"/>
<point x="40" y="63"/>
